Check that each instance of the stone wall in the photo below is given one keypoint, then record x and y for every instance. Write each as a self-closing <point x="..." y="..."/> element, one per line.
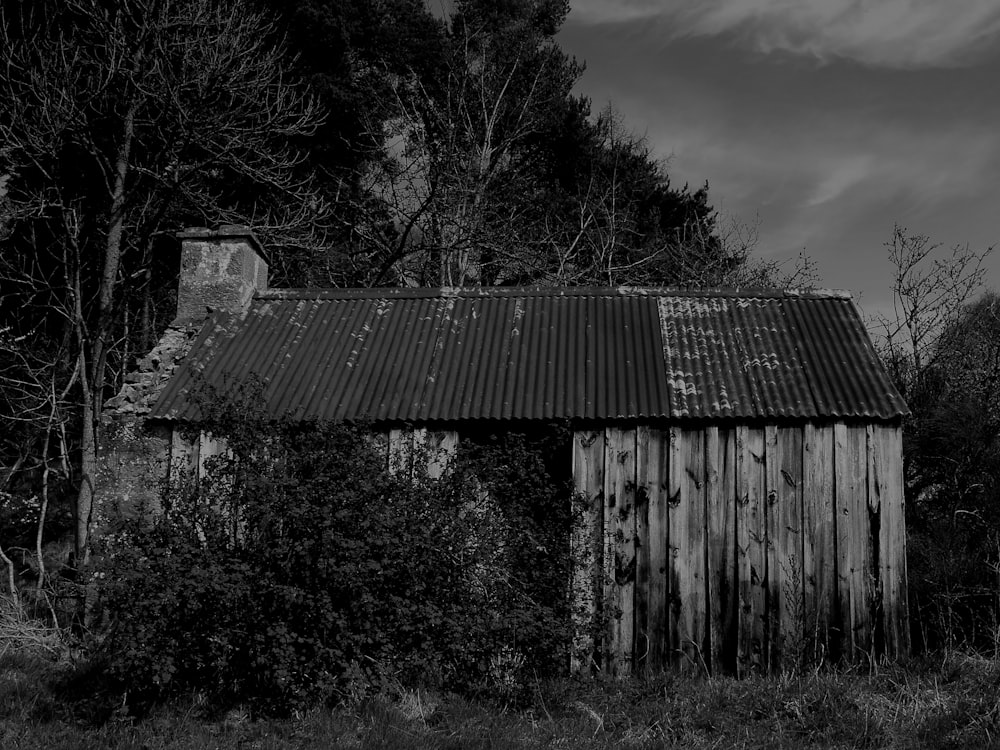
<point x="134" y="466"/>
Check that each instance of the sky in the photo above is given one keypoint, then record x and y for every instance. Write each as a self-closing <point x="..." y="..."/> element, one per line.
<point x="826" y="121"/>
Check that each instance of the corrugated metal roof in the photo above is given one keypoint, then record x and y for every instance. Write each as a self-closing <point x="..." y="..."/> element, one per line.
<point x="499" y="353"/>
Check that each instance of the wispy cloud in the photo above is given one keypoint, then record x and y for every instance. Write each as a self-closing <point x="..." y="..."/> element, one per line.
<point x="844" y="175"/>
<point x="622" y="11"/>
<point x="887" y="33"/>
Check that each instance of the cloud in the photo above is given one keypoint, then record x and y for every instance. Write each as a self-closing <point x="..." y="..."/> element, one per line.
<point x="901" y="34"/>
<point x="622" y="11"/>
<point x="845" y="174"/>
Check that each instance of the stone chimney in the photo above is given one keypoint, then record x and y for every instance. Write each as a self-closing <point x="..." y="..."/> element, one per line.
<point x="221" y="269"/>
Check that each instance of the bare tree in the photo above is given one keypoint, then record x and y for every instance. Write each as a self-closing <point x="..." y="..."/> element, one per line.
<point x="930" y="285"/>
<point x="122" y="122"/>
<point x="452" y="196"/>
<point x="35" y="388"/>
<point x="458" y="200"/>
<point x="615" y="232"/>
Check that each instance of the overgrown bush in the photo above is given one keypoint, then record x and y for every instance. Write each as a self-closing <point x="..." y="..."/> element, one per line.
<point x="303" y="571"/>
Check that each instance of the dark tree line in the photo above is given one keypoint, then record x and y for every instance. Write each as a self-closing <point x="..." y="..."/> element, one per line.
<point x="459" y="155"/>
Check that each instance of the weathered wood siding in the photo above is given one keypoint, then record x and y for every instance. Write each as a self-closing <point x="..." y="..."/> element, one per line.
<point x="741" y="549"/>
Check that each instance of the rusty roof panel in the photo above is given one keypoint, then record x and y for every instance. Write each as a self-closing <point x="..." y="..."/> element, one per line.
<point x="768" y="356"/>
<point x="701" y="353"/>
<point x="840" y="362"/>
<point x="461" y="354"/>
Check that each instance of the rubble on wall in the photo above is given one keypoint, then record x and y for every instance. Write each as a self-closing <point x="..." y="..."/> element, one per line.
<point x="134" y="455"/>
<point x="152" y="372"/>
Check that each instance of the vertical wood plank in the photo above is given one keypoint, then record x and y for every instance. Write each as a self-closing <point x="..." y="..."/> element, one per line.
<point x="844" y="499"/>
<point x="774" y="565"/>
<point x="730" y="498"/>
<point x="699" y="547"/>
<point x="619" y="522"/>
<point x="892" y="541"/>
<point x="657" y="548"/>
<point x="625" y="553"/>
<point x="209" y="446"/>
<point x="853" y="538"/>
<point x="819" y="555"/>
<point x="691" y="544"/>
<point x="400" y="449"/>
<point x="744" y="592"/>
<point x="416" y="461"/>
<point x="609" y="594"/>
<point x="441" y="448"/>
<point x="793" y="626"/>
<point x="874" y="493"/>
<point x="751" y="535"/>
<point x="713" y="543"/>
<point x="677" y="567"/>
<point x="641" y="636"/>
<point x="810" y="577"/>
<point x="183" y="465"/>
<point x="722" y="576"/>
<point x="585" y="544"/>
<point x="861" y="545"/>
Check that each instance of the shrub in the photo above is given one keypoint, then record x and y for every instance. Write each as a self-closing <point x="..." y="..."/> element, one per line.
<point x="302" y="571"/>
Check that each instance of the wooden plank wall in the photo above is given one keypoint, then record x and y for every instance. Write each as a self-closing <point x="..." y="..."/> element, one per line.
<point x="738" y="549"/>
<point x="434" y="447"/>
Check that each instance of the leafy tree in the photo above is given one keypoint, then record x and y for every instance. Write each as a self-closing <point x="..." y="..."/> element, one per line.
<point x="121" y="123"/>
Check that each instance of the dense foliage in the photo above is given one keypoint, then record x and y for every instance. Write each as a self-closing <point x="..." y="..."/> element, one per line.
<point x="305" y="572"/>
<point x="952" y="457"/>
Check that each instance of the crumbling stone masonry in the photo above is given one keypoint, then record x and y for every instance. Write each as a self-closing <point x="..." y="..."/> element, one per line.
<point x="221" y="270"/>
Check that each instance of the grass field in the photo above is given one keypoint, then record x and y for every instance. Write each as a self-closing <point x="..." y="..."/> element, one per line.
<point x="950" y="701"/>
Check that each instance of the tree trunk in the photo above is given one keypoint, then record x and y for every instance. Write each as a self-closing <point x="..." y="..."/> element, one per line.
<point x="85" y="498"/>
<point x="93" y="386"/>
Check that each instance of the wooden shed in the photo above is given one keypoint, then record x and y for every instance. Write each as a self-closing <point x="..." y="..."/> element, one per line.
<point x="737" y="452"/>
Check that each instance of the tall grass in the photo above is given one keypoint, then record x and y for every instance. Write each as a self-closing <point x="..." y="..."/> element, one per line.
<point x="947" y="700"/>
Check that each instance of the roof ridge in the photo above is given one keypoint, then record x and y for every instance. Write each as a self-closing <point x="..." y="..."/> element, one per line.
<point x="538" y="291"/>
